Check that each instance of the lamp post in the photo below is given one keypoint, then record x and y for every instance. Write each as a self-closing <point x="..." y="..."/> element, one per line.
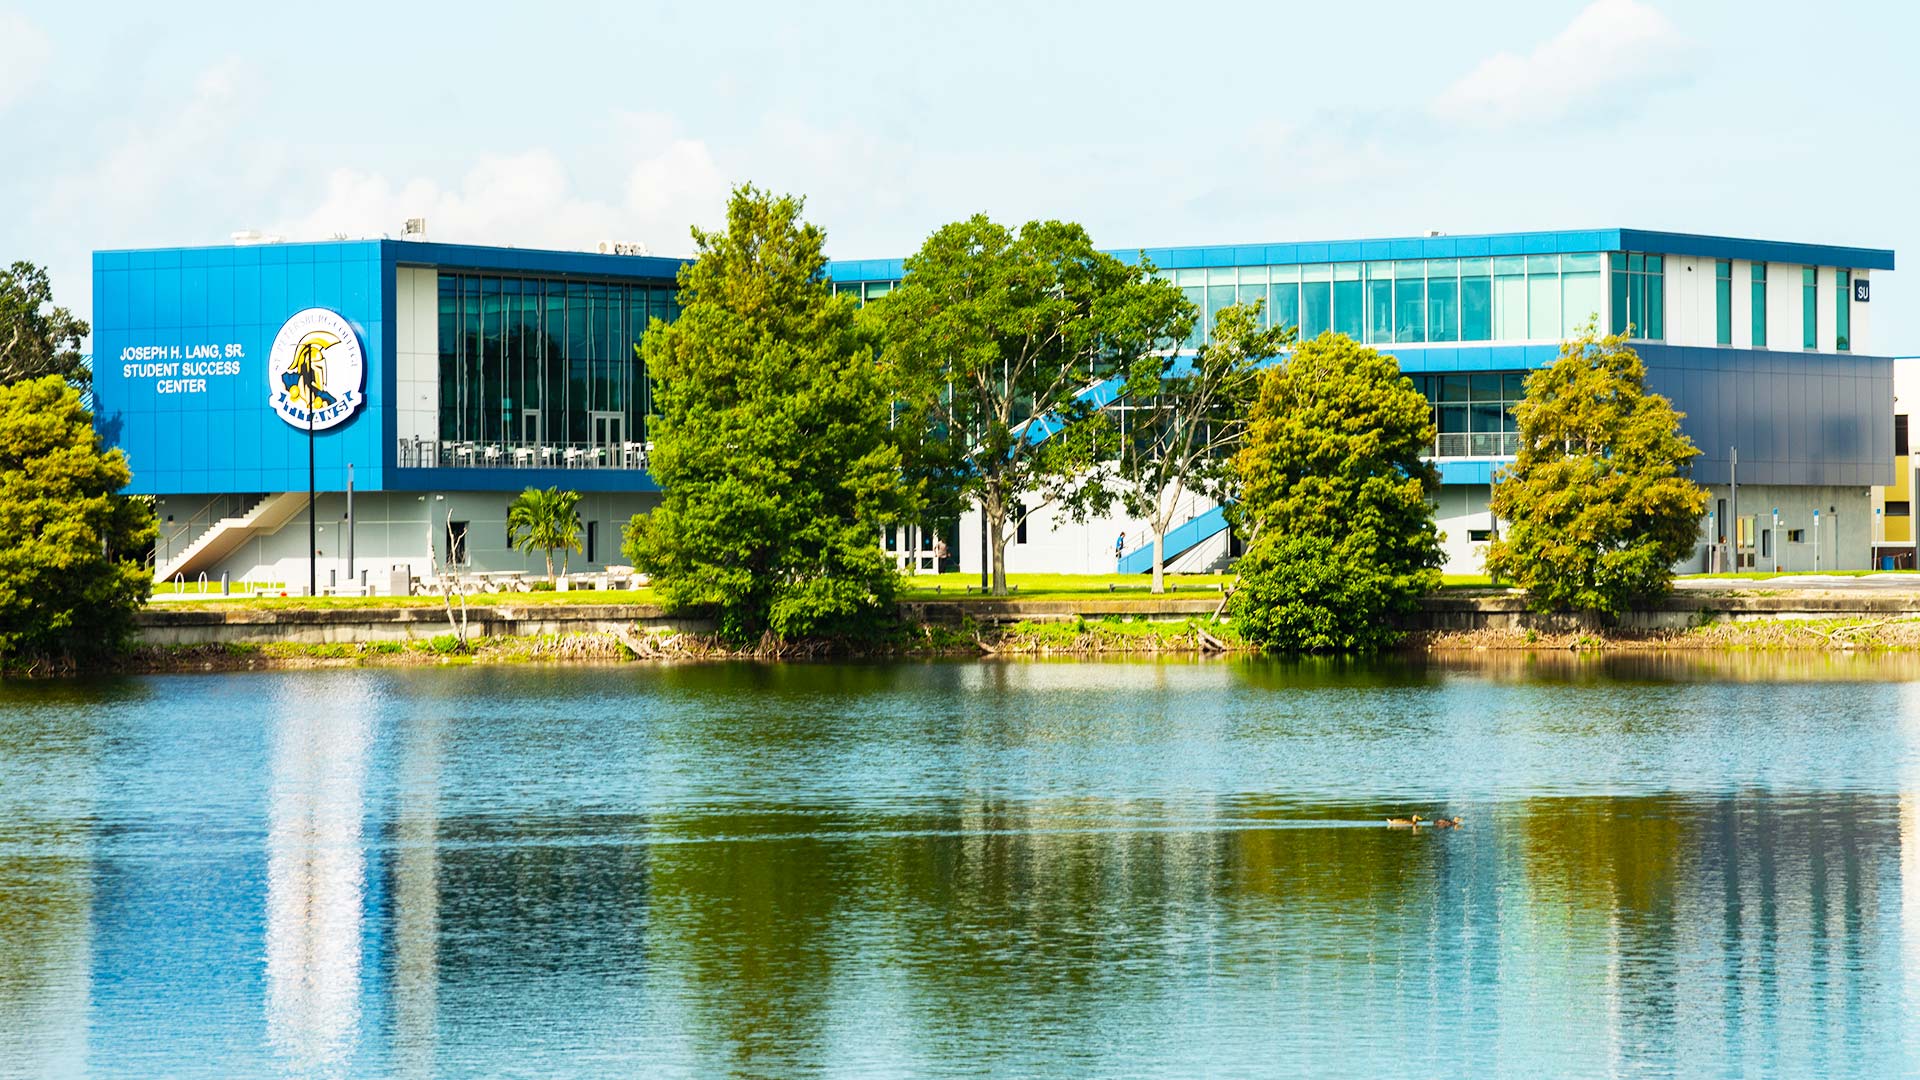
<point x="313" y="518"/>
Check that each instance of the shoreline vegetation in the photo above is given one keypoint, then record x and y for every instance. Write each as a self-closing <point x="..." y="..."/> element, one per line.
<point x="1111" y="636"/>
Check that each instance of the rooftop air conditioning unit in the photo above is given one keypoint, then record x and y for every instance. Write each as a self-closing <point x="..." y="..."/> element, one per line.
<point x="414" y="229"/>
<point x="250" y="237"/>
<point x="614" y="247"/>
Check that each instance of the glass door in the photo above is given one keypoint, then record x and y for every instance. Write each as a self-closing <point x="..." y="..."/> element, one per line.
<point x="609" y="437"/>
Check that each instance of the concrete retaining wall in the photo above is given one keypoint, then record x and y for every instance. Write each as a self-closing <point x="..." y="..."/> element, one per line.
<point x="361" y="625"/>
<point x="1483" y="611"/>
<point x="1677" y="612"/>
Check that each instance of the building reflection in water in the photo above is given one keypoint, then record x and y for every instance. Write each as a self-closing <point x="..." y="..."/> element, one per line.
<point x="316" y="880"/>
<point x="416" y="900"/>
<point x="1910" y="862"/>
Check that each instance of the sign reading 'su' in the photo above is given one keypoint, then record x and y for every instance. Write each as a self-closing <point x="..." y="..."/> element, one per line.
<point x="315" y="369"/>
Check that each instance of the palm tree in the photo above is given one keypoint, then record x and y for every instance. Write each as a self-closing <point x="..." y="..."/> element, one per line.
<point x="544" y="521"/>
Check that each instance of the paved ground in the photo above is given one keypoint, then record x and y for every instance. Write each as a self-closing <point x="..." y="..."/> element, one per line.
<point x="1828" y="582"/>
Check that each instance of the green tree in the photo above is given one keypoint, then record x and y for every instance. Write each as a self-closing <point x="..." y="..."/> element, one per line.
<point x="37" y="338"/>
<point x="1335" y="498"/>
<point x="546" y="521"/>
<point x="1597" y="506"/>
<point x="1185" y="419"/>
<point x="772" y="443"/>
<point x="71" y="547"/>
<point x="996" y="339"/>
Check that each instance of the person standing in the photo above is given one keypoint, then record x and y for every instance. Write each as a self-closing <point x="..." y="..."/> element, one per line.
<point x="1119" y="548"/>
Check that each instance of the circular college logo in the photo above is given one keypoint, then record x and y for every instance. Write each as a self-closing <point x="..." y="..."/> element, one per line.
<point x="315" y="369"/>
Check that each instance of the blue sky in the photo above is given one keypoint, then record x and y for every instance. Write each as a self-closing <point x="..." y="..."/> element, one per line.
<point x="1152" y="123"/>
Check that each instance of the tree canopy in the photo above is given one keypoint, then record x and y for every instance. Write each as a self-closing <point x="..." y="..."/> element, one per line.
<point x="1184" y="420"/>
<point x="72" y="548"/>
<point x="546" y="521"/>
<point x="1596" y="507"/>
<point x="1335" y="500"/>
<point x="996" y="338"/>
<point x="772" y="442"/>
<point x="36" y="337"/>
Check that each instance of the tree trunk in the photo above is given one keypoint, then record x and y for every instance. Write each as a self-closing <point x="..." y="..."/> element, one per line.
<point x="549" y="566"/>
<point x="995" y="509"/>
<point x="1159" y="560"/>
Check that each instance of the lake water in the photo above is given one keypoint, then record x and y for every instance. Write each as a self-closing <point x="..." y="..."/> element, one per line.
<point x="1155" y="869"/>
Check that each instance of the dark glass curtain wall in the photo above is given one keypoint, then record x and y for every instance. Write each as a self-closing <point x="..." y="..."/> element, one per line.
<point x="536" y="361"/>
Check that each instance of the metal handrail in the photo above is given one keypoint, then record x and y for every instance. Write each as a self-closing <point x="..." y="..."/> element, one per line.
<point x="1461" y="444"/>
<point x="174" y="540"/>
<point x="461" y="454"/>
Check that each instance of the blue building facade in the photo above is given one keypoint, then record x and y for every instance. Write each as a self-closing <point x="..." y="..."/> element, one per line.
<point x="479" y="371"/>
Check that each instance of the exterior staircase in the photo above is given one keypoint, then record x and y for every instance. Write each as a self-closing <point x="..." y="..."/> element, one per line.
<point x="224" y="536"/>
<point x="1180" y="539"/>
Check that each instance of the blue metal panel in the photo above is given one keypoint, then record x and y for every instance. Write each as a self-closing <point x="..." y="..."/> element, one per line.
<point x="1725" y="247"/>
<point x="1423" y="359"/>
<point x="197" y="430"/>
<point x="1797" y="418"/>
<point x="517" y="479"/>
<point x="1475" y="471"/>
<point x="1372" y="250"/>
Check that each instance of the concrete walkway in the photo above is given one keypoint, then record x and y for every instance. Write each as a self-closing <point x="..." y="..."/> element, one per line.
<point x="1895" y="582"/>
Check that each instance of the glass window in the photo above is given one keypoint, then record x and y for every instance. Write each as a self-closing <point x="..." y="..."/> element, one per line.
<point x="1476" y="300"/>
<point x="1510" y="299"/>
<point x="1619" y="300"/>
<point x="532" y="362"/>
<point x="1316" y="308"/>
<point x="1283" y="302"/>
<point x="1473" y="414"/>
<point x="1759" y="286"/>
<point x="1443" y="300"/>
<point x="1410" y="301"/>
<point x="1252" y="294"/>
<point x="1191" y="277"/>
<point x="1349" y="305"/>
<point x="1809" y="307"/>
<point x="1843" y="310"/>
<point x="1639" y="297"/>
<point x="1197" y="296"/>
<point x="1723" y="301"/>
<point x="1219" y="296"/>
<point x="1580" y="292"/>
<point x="1379" y="303"/>
<point x="1900" y="435"/>
<point x="1222" y="275"/>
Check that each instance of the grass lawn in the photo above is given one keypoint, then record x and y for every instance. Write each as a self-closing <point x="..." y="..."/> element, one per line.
<point x="918" y="587"/>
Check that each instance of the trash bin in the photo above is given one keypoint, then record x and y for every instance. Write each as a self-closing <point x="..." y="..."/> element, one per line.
<point x="1886" y="562"/>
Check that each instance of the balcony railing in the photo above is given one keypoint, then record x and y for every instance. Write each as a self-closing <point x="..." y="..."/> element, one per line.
<point x="450" y="454"/>
<point x="1454" y="444"/>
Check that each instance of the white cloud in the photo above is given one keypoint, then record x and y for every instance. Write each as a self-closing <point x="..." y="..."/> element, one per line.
<point x="528" y="199"/>
<point x="158" y="157"/>
<point x="1611" y="43"/>
<point x="24" y="53"/>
